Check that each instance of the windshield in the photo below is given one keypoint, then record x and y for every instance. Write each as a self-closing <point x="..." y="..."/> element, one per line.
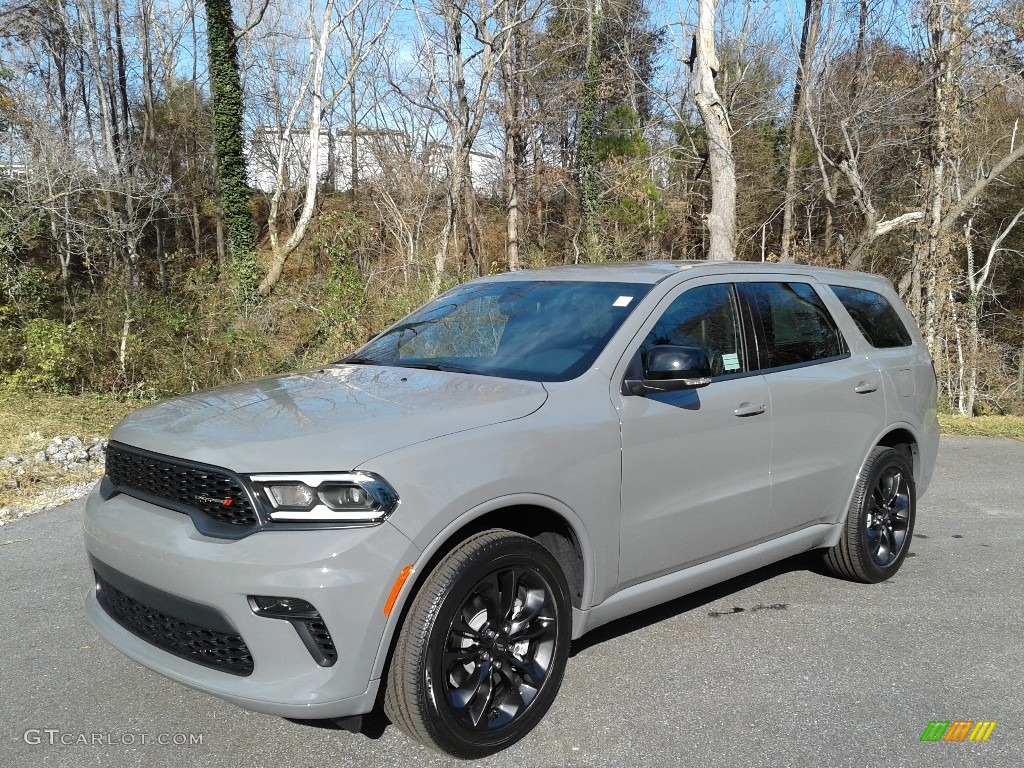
<point x="541" y="331"/>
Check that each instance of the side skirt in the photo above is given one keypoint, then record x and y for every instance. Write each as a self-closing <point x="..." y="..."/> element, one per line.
<point x="671" y="586"/>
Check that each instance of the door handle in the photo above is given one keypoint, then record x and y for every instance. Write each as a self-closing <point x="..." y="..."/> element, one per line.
<point x="865" y="388"/>
<point x="750" y="409"/>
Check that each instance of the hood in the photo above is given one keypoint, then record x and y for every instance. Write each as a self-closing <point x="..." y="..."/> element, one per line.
<point x="333" y="419"/>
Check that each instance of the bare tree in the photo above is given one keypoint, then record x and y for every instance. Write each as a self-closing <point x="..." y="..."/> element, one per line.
<point x="315" y="102"/>
<point x="979" y="281"/>
<point x="805" y="54"/>
<point x="705" y="66"/>
<point x="954" y="28"/>
<point x="453" y="74"/>
<point x="404" y="186"/>
<point x="587" y="141"/>
<point x="516" y="19"/>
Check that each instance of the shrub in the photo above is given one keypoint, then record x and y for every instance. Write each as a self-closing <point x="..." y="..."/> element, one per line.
<point x="52" y="355"/>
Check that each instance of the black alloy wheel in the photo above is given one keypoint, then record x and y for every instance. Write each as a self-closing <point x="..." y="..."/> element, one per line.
<point x="887" y="521"/>
<point x="483" y="648"/>
<point x="880" y="522"/>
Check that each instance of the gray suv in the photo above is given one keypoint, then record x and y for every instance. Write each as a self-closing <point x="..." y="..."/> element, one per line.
<point x="430" y="522"/>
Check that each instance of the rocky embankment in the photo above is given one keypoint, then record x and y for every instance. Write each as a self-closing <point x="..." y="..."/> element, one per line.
<point x="65" y="457"/>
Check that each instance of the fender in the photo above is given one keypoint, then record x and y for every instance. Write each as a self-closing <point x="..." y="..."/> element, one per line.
<point x="833" y="538"/>
<point x="411" y="586"/>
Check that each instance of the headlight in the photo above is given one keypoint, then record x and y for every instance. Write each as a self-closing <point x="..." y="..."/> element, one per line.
<point x="347" y="497"/>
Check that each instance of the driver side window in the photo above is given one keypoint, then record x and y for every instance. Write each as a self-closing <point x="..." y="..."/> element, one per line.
<point x="705" y="317"/>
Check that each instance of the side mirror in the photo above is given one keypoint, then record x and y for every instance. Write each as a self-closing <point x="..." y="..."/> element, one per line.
<point x="670" y="369"/>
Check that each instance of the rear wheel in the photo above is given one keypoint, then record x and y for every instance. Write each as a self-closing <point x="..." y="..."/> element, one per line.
<point x="880" y="522"/>
<point x="483" y="648"/>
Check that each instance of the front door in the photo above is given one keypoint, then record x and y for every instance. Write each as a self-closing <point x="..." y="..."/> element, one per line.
<point x="695" y="479"/>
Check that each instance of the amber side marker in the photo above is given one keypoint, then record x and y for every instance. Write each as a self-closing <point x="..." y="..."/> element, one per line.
<point x="399" y="582"/>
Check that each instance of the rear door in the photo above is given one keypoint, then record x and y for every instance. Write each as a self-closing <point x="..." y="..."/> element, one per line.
<point x="828" y="405"/>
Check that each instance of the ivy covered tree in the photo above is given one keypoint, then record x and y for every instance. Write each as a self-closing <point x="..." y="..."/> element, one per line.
<point x="229" y="144"/>
<point x="587" y="153"/>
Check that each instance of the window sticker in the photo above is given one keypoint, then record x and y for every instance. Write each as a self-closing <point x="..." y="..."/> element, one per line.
<point x="622" y="301"/>
<point x="731" y="361"/>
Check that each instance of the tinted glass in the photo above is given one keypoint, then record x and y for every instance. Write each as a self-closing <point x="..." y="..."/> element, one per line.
<point x="704" y="317"/>
<point x="542" y="331"/>
<point x="797" y="327"/>
<point x="874" y="316"/>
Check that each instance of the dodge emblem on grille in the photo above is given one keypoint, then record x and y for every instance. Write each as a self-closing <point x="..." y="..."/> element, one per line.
<point x="207" y="500"/>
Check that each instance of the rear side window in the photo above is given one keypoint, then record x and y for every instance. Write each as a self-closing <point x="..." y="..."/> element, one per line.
<point x="797" y="327"/>
<point x="874" y="315"/>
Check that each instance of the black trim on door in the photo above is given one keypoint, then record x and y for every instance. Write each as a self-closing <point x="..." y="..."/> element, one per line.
<point x="753" y="317"/>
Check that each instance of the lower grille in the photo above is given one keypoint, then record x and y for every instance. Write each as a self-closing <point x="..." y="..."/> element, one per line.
<point x="208" y="647"/>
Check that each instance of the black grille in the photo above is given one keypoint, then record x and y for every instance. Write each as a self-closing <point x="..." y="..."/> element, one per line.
<point x="213" y="493"/>
<point x="321" y="638"/>
<point x="208" y="647"/>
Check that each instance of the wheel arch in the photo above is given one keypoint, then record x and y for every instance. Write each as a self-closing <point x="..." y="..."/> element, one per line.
<point x="543" y="519"/>
<point x="851" y="554"/>
<point x="903" y="438"/>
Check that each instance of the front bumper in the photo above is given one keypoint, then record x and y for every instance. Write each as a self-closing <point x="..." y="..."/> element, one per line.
<point x="346" y="574"/>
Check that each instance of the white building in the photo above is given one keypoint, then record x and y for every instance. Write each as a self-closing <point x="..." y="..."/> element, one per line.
<point x="263" y="154"/>
<point x="375" y="153"/>
<point x="15" y="170"/>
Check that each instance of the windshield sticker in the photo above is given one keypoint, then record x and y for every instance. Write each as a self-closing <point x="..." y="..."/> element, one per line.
<point x="622" y="301"/>
<point x="731" y="361"/>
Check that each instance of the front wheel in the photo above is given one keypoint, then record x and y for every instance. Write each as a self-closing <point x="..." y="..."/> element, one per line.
<point x="880" y="523"/>
<point x="483" y="648"/>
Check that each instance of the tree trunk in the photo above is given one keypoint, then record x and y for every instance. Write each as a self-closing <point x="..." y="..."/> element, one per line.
<point x="945" y="26"/>
<point x="197" y="232"/>
<point x="353" y="140"/>
<point x="512" y="163"/>
<point x="1020" y="362"/>
<point x="808" y="41"/>
<point x="476" y="262"/>
<point x="321" y="39"/>
<point x="464" y="198"/>
<point x="978" y="280"/>
<point x="513" y="65"/>
<point x="721" y="223"/>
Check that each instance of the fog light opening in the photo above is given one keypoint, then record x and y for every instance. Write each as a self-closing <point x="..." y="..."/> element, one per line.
<point x="282" y="607"/>
<point x="306" y="620"/>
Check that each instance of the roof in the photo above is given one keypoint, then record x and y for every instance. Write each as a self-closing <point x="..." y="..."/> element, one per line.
<point x="655" y="271"/>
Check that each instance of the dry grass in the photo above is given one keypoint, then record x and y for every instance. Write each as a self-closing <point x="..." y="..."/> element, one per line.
<point x="29" y="422"/>
<point x="982" y="426"/>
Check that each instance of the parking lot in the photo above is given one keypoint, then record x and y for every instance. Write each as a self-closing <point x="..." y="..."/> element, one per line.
<point x="785" y="667"/>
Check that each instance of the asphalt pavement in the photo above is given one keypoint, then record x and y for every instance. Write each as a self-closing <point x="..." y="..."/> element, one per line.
<point x="784" y="667"/>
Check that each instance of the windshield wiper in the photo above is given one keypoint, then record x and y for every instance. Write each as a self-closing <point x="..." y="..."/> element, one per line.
<point x="403" y="364"/>
<point x="430" y="367"/>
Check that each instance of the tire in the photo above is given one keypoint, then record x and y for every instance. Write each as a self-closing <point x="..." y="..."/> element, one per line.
<point x="880" y="522"/>
<point x="481" y="653"/>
